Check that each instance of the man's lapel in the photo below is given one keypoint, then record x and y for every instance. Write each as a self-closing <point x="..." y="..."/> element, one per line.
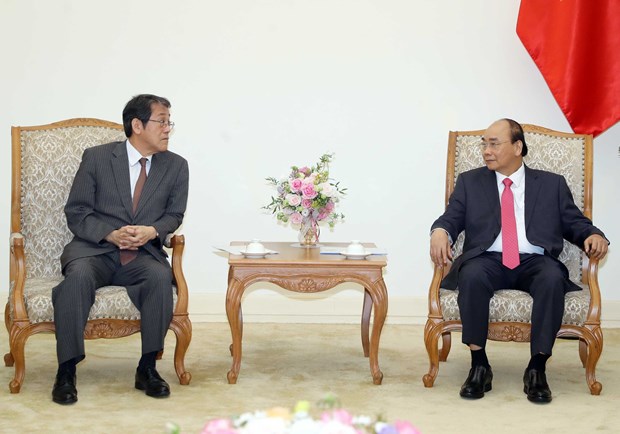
<point x="491" y="195"/>
<point x="158" y="170"/>
<point x="120" y="167"/>
<point x="532" y="188"/>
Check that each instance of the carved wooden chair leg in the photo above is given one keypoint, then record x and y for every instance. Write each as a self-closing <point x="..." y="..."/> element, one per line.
<point x="594" y="352"/>
<point x="17" y="351"/>
<point x="446" y="344"/>
<point x="431" y="341"/>
<point x="366" y="311"/>
<point x="8" y="357"/>
<point x="182" y="328"/>
<point x="583" y="352"/>
<point x="594" y="347"/>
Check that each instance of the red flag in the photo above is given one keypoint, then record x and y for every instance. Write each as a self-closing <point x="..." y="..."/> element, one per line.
<point x="576" y="46"/>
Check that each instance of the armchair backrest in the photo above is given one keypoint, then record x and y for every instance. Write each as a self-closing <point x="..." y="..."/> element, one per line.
<point x="45" y="160"/>
<point x="566" y="154"/>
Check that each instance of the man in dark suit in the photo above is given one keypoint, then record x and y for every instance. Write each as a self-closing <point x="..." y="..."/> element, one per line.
<point x="515" y="219"/>
<point x="125" y="199"/>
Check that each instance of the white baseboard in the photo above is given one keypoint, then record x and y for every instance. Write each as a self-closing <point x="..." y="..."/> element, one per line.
<point x="344" y="308"/>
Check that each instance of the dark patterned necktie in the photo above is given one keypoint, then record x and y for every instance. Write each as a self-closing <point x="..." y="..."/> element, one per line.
<point x="129" y="255"/>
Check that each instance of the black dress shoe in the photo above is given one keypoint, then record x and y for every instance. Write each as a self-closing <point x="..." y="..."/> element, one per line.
<point x="535" y="386"/>
<point x="64" y="391"/>
<point x="149" y="380"/>
<point x="478" y="381"/>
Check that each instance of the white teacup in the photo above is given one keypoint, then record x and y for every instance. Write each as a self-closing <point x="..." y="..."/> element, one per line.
<point x="356" y="248"/>
<point x="255" y="247"/>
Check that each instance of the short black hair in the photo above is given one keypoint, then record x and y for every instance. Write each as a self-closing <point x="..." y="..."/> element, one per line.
<point x="139" y="107"/>
<point x="516" y="133"/>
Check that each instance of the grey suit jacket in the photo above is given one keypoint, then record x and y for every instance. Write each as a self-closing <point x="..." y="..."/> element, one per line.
<point x="100" y="200"/>
<point x="550" y="215"/>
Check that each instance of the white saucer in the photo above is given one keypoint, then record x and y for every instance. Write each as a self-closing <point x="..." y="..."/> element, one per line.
<point x="355" y="255"/>
<point x="255" y="255"/>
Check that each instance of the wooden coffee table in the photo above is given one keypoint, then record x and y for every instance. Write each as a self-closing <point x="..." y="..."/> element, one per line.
<point x="301" y="269"/>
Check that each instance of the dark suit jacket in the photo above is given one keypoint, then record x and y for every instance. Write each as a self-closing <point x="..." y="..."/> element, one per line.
<point x="100" y="200"/>
<point x="550" y="215"/>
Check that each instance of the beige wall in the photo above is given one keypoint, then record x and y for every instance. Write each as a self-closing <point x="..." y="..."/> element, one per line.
<point x="259" y="85"/>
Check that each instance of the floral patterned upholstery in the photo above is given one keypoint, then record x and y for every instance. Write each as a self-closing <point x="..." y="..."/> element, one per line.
<point x="563" y="155"/>
<point x="516" y="306"/>
<point x="48" y="167"/>
<point x="110" y="302"/>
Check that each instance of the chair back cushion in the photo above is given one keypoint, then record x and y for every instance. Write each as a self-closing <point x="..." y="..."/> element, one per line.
<point x="50" y="157"/>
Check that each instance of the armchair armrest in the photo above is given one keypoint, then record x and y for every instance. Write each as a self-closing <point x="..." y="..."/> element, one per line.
<point x="434" y="304"/>
<point x="17" y="277"/>
<point x="177" y="244"/>
<point x="591" y="278"/>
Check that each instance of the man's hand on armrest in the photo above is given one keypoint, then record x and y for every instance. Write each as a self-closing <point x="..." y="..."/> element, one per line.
<point x="440" y="247"/>
<point x="595" y="246"/>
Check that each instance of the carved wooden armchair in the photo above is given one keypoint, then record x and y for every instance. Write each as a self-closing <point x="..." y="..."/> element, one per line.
<point x="45" y="160"/>
<point x="571" y="156"/>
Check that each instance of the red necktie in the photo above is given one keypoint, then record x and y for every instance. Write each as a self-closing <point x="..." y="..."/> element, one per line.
<point x="129" y="255"/>
<point x="510" y="243"/>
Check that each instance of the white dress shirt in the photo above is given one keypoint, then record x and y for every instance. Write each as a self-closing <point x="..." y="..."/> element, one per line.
<point x="518" y="191"/>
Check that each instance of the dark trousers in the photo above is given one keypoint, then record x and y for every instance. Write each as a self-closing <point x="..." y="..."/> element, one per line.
<point x="543" y="277"/>
<point x="149" y="286"/>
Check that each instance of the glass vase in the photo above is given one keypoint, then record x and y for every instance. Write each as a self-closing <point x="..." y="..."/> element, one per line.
<point x="309" y="233"/>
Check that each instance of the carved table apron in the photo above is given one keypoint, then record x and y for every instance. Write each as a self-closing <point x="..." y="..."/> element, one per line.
<point x="306" y="270"/>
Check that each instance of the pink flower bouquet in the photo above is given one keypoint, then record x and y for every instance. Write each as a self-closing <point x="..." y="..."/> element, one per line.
<point x="308" y="194"/>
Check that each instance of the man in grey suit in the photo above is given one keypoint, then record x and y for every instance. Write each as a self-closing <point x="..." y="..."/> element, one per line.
<point x="515" y="220"/>
<point x="125" y="199"/>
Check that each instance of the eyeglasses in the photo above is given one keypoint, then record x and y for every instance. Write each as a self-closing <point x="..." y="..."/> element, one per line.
<point x="163" y="124"/>
<point x="492" y="145"/>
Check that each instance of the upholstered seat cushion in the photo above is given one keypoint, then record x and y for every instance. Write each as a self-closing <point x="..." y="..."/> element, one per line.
<point x="110" y="301"/>
<point x="512" y="305"/>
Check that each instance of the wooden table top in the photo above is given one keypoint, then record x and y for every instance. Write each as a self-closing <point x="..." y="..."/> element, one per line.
<point x="289" y="253"/>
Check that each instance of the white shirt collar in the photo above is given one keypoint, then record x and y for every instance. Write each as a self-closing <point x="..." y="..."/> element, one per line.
<point x="516" y="178"/>
<point x="133" y="155"/>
